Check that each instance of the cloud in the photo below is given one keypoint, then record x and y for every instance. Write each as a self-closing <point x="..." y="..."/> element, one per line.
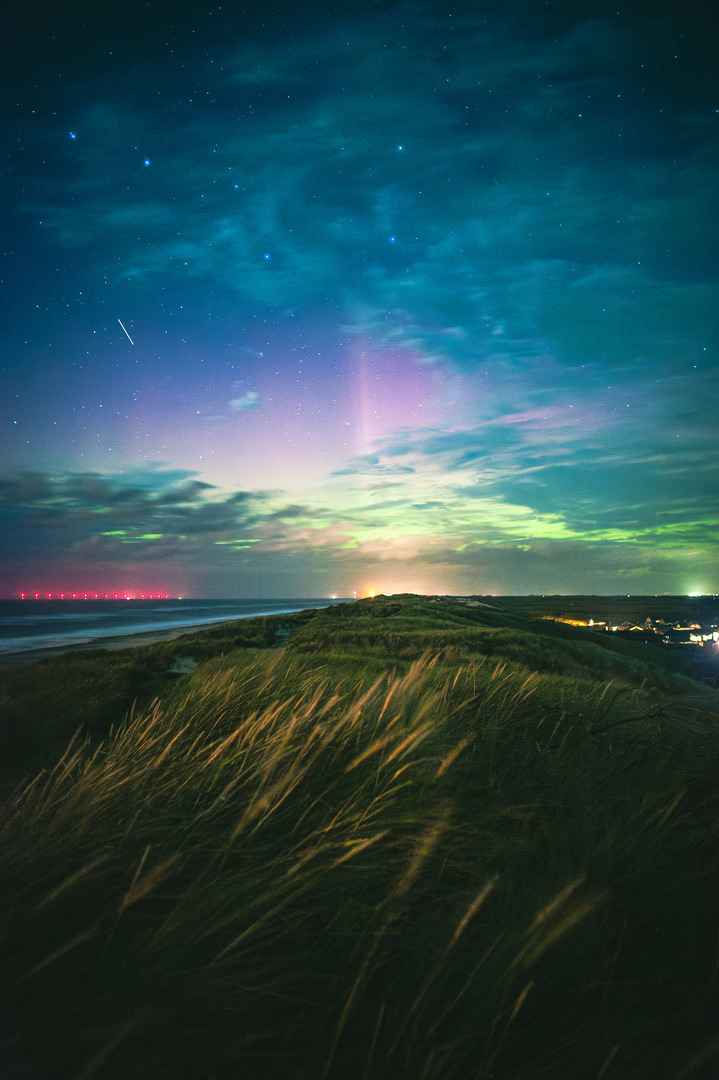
<point x="510" y="206"/>
<point x="249" y="400"/>
<point x="103" y="514"/>
<point x="444" y="522"/>
<point x="302" y="181"/>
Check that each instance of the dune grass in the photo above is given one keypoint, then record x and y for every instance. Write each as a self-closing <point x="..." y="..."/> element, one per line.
<point x="322" y="864"/>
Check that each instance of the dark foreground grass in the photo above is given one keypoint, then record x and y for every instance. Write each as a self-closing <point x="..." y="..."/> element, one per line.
<point x="43" y="704"/>
<point x="335" y="863"/>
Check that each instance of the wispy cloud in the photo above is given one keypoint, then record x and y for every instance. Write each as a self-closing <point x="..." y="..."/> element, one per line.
<point x="249" y="400"/>
<point x="499" y="249"/>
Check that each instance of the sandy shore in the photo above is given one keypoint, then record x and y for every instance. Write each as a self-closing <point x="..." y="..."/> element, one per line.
<point x="112" y="642"/>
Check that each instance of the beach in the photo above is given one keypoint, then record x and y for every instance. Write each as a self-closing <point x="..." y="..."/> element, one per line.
<point x="31" y="630"/>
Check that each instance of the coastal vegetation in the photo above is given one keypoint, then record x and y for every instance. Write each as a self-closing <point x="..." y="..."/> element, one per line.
<point x="399" y="838"/>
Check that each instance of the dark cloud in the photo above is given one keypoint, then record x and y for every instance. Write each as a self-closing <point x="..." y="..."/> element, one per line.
<point x="102" y="514"/>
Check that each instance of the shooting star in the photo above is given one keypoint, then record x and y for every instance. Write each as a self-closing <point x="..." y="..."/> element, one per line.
<point x="123" y="327"/>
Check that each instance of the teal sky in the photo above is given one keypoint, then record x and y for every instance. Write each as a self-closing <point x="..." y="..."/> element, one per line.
<point x="306" y="300"/>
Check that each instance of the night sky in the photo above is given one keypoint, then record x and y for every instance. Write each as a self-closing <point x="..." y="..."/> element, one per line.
<point x="304" y="299"/>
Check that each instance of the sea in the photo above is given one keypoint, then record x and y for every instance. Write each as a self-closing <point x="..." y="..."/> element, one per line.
<point x="43" y="626"/>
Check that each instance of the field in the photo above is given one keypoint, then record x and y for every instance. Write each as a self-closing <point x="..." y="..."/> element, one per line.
<point x="403" y="838"/>
<point x="613" y="609"/>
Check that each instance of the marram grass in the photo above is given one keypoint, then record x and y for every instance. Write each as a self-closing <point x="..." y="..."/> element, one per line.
<point x="452" y="870"/>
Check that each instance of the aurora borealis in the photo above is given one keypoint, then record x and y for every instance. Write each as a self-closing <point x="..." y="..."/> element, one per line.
<point x="309" y="299"/>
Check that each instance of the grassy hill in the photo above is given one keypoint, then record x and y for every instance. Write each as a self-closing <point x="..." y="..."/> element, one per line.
<point x="398" y="838"/>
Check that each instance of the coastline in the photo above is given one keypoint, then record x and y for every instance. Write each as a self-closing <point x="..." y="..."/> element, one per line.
<point x="136" y="638"/>
<point x="111" y="643"/>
